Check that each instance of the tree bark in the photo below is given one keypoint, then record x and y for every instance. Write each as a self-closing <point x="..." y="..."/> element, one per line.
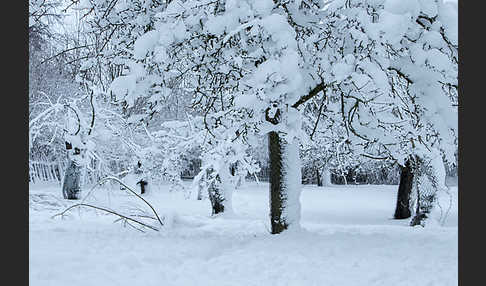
<point x="275" y="179"/>
<point x="319" y="179"/>
<point x="142" y="184"/>
<point x="402" y="209"/>
<point x="285" y="182"/>
<point x="71" y="187"/>
<point x="219" y="192"/>
<point x="216" y="198"/>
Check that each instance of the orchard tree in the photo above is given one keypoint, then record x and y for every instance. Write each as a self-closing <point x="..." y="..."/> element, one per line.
<point x="242" y="56"/>
<point x="407" y="111"/>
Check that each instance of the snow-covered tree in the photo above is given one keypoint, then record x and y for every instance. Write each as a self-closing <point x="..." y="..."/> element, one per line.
<point x="412" y="113"/>
<point x="240" y="58"/>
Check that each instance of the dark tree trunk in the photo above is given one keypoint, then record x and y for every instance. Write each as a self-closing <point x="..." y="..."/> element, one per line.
<point x="71" y="187"/>
<point x="285" y="178"/>
<point x="233" y="169"/>
<point x="216" y="197"/>
<point x="142" y="184"/>
<point x="319" y="180"/>
<point x="276" y="183"/>
<point x="402" y="209"/>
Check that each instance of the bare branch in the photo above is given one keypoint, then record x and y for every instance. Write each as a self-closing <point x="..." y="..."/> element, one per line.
<point x="131" y="191"/>
<point x="105" y="210"/>
<point x="311" y="94"/>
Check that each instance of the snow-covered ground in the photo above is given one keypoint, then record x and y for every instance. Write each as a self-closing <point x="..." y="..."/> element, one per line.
<point x="347" y="238"/>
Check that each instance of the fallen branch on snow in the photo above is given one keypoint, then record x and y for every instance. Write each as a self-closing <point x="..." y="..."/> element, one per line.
<point x="105" y="210"/>
<point x="126" y="219"/>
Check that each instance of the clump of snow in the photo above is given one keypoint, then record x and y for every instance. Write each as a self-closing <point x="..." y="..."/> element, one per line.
<point x="343" y="69"/>
<point x="448" y="17"/>
<point x="262" y="7"/>
<point x="123" y="86"/>
<point x="145" y="44"/>
<point x="280" y="30"/>
<point x="292" y="184"/>
<point x="428" y="7"/>
<point x="180" y="31"/>
<point x="175" y="7"/>
<point x="394" y="26"/>
<point x="399" y="7"/>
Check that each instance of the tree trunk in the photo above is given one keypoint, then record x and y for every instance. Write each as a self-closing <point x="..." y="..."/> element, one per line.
<point x="426" y="199"/>
<point x="233" y="169"/>
<point x="199" y="192"/>
<point x="31" y="173"/>
<point x="285" y="183"/>
<point x="44" y="173"/>
<point x="402" y="209"/>
<point x="430" y="178"/>
<point x="220" y="193"/>
<point x="138" y="171"/>
<point x="319" y="179"/>
<point x="216" y="198"/>
<point x="326" y="177"/>
<point x="71" y="187"/>
<point x="142" y="184"/>
<point x="234" y="173"/>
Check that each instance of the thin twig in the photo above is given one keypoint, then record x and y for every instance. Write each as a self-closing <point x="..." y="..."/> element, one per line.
<point x="106" y="210"/>
<point x="133" y="192"/>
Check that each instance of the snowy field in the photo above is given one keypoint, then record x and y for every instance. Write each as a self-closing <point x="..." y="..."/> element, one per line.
<point x="347" y="238"/>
